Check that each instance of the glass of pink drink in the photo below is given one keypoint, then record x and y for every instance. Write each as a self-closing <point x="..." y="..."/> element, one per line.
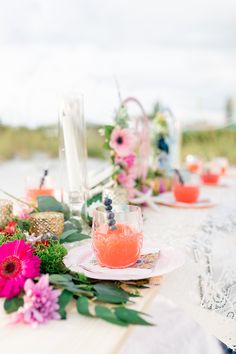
<point x="119" y="247"/>
<point x="34" y="188"/>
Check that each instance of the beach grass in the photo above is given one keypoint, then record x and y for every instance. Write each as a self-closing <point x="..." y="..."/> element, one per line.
<point x="24" y="142"/>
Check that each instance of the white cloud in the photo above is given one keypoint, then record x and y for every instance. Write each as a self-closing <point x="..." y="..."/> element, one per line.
<point x="178" y="51"/>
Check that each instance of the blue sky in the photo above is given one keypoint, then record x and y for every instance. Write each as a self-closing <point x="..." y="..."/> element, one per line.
<point x="180" y="52"/>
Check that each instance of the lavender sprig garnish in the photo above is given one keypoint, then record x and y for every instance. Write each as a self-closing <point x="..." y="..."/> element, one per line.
<point x="110" y="215"/>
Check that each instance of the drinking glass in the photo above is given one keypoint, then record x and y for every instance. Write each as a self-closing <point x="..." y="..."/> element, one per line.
<point x="118" y="246"/>
<point x="37" y="185"/>
<point x="189" y="191"/>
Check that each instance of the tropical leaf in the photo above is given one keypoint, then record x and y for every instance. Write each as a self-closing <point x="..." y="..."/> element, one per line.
<point x="108" y="315"/>
<point x="83" y="306"/>
<point x="72" y="236"/>
<point x="130" y="316"/>
<point x="64" y="299"/>
<point x="47" y="203"/>
<point x="12" y="305"/>
<point x="108" y="292"/>
<point x="59" y="279"/>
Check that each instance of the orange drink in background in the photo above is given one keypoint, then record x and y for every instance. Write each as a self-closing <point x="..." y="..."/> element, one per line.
<point x="222" y="163"/>
<point x="119" y="247"/>
<point x="33" y="193"/>
<point x="211" y="173"/>
<point x="210" y="178"/>
<point x="193" y="164"/>
<point x="35" y="188"/>
<point x="186" y="193"/>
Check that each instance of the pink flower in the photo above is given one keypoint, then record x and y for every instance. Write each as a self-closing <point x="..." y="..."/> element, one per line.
<point x="24" y="213"/>
<point x="162" y="186"/>
<point x="126" y="160"/>
<point x="17" y="263"/>
<point x="40" y="303"/>
<point x="123" y="141"/>
<point x="127" y="181"/>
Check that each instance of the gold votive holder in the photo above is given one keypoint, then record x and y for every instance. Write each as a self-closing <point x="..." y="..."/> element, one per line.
<point x="47" y="221"/>
<point x="6" y="212"/>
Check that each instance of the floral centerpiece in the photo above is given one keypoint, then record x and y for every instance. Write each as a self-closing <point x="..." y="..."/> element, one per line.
<point x="36" y="285"/>
<point x="128" y="147"/>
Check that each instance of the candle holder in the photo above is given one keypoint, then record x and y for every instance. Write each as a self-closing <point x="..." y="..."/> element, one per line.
<point x="73" y="152"/>
<point x="6" y="212"/>
<point x="49" y="221"/>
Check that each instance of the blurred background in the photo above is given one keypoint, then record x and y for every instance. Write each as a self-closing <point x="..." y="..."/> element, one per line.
<point x="181" y="53"/>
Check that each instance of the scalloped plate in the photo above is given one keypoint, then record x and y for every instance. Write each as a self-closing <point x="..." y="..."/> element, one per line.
<point x="168" y="260"/>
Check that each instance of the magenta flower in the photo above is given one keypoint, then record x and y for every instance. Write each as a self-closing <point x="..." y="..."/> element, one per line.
<point x="126" y="160"/>
<point x="123" y="141"/>
<point x="40" y="303"/>
<point x="17" y="263"/>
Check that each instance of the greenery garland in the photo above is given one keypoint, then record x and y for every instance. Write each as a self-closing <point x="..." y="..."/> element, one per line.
<point x="107" y="300"/>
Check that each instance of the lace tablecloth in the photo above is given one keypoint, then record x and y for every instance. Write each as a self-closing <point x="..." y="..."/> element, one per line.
<point x="206" y="286"/>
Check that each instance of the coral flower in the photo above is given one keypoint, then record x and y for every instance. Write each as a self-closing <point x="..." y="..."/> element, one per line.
<point x="10" y="228"/>
<point x="123" y="141"/>
<point x="40" y="303"/>
<point x="17" y="263"/>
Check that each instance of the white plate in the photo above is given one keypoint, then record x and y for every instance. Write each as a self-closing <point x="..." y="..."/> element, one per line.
<point x="168" y="260"/>
<point x="167" y="199"/>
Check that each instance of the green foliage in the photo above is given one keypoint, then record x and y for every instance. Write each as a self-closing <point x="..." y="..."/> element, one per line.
<point x="108" y="315"/>
<point x="7" y="238"/>
<point x="107" y="134"/>
<point x="12" y="305"/>
<point x="130" y="316"/>
<point x="109" y="292"/>
<point x="72" y="236"/>
<point x="83" y="306"/>
<point x="120" y="316"/>
<point x="48" y="203"/>
<point x="89" y="296"/>
<point x="73" y="224"/>
<point x="122" y="117"/>
<point x="51" y="257"/>
<point x="64" y="299"/>
<point x="85" y="216"/>
<point x="24" y="225"/>
<point x="72" y="231"/>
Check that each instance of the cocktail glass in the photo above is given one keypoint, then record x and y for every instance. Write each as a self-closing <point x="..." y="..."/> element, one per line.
<point x="189" y="191"/>
<point x="36" y="186"/>
<point x="118" y="247"/>
<point x="193" y="164"/>
<point x="211" y="174"/>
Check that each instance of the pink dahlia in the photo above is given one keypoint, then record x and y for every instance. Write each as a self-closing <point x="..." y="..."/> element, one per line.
<point x="123" y="141"/>
<point x="17" y="263"/>
<point x="40" y="303"/>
